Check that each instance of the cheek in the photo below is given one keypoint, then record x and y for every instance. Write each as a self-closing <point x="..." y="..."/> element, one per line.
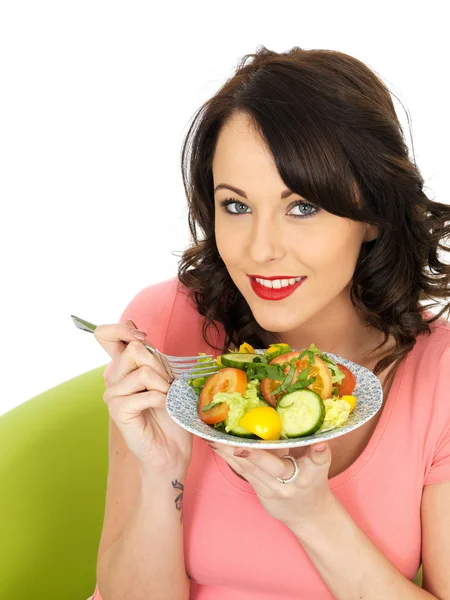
<point x="332" y="247"/>
<point x="229" y="243"/>
<point x="220" y="235"/>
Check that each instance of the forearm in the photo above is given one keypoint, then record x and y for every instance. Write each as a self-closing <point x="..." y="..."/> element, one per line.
<point x="349" y="563"/>
<point x="147" y="561"/>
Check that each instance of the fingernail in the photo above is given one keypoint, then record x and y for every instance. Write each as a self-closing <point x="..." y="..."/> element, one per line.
<point x="320" y="449"/>
<point x="212" y="446"/>
<point x="242" y="453"/>
<point x="130" y="322"/>
<point x="140" y="335"/>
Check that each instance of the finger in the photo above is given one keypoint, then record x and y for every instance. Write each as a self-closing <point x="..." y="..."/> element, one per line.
<point x="320" y="454"/>
<point x="128" y="407"/>
<point x="133" y="357"/>
<point x="143" y="378"/>
<point x="114" y="338"/>
<point x="270" y="464"/>
<point x="250" y="472"/>
<point x="132" y="323"/>
<point x="279" y="452"/>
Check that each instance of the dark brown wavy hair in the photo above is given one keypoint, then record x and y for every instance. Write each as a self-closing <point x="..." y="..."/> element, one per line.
<point x="332" y="129"/>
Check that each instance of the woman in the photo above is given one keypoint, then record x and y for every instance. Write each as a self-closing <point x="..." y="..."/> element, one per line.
<point x="295" y="170"/>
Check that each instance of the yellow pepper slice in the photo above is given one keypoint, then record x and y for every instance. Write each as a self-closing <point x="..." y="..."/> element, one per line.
<point x="246" y="349"/>
<point x="271" y="349"/>
<point x="275" y="348"/>
<point x="350" y="400"/>
<point x="264" y="421"/>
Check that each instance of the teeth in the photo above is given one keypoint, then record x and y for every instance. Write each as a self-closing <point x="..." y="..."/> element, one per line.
<point x="278" y="283"/>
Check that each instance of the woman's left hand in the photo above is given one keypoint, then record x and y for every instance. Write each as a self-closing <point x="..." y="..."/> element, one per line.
<point x="295" y="503"/>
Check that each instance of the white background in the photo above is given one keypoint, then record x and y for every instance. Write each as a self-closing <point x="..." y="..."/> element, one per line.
<point x="95" y="99"/>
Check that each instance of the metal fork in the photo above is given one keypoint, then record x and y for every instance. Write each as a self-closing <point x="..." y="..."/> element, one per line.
<point x="178" y="367"/>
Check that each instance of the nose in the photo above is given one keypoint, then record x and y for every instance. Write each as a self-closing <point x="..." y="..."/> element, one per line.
<point x="266" y="241"/>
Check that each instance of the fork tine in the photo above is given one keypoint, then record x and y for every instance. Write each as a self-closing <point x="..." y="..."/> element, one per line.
<point x="190" y="376"/>
<point x="183" y="358"/>
<point x="202" y="365"/>
<point x="194" y="367"/>
<point x="177" y="366"/>
<point x="198" y="372"/>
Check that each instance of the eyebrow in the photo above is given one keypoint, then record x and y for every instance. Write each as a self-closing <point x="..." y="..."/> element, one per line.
<point x="225" y="186"/>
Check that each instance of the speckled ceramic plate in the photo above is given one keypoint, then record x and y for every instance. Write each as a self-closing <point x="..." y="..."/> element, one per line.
<point x="182" y="404"/>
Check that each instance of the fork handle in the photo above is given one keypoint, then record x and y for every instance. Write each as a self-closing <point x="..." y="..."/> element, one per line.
<point x="90" y="327"/>
<point x="158" y="355"/>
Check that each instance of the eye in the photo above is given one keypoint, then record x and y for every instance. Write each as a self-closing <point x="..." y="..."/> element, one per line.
<point x="308" y="209"/>
<point x="233" y="202"/>
<point x="239" y="208"/>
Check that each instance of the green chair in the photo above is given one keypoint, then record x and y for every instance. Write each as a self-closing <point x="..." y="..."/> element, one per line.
<point x="53" y="474"/>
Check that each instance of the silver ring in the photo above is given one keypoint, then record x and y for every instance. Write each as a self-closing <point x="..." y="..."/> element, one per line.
<point x="296" y="471"/>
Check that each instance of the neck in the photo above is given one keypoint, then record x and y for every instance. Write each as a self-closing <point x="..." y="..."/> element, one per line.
<point x="339" y="329"/>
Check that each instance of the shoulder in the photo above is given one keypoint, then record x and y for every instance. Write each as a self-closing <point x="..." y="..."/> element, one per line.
<point x="440" y="330"/>
<point x="426" y="374"/>
<point x="168" y="313"/>
<point x="432" y="349"/>
<point x="432" y="401"/>
<point x="440" y="340"/>
<point x="155" y="297"/>
<point x="151" y="308"/>
<point x="150" y="311"/>
<point x="428" y="368"/>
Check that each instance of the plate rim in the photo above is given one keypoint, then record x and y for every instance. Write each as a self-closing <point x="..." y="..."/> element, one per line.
<point x="281" y="443"/>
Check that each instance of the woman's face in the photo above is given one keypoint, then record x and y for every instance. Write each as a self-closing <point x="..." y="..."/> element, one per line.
<point x="267" y="235"/>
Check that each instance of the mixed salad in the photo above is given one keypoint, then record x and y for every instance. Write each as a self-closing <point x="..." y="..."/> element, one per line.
<point x="280" y="394"/>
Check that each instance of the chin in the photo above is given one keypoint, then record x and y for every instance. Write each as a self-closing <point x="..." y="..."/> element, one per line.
<point x="280" y="323"/>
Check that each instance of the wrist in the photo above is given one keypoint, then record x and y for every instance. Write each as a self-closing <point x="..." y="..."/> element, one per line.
<point x="160" y="489"/>
<point x="149" y="472"/>
<point x="320" y="519"/>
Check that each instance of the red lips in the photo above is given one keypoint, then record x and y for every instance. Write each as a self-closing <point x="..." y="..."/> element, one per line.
<point x="271" y="293"/>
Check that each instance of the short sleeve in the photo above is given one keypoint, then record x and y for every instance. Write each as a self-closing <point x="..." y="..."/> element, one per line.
<point x="439" y="470"/>
<point x="96" y="595"/>
<point x="151" y="310"/>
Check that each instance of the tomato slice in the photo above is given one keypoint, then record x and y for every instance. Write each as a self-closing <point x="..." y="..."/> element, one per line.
<point x="348" y="384"/>
<point x="226" y="380"/>
<point x="323" y="384"/>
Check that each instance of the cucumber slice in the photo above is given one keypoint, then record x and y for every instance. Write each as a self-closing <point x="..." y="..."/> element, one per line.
<point x="283" y="403"/>
<point x="237" y="360"/>
<point x="239" y="431"/>
<point x="242" y="432"/>
<point x="301" y="412"/>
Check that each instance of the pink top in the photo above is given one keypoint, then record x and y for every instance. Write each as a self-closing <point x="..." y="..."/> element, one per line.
<point x="234" y="550"/>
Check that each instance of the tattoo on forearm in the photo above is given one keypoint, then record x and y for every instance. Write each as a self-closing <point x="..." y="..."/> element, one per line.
<point x="179" y="499"/>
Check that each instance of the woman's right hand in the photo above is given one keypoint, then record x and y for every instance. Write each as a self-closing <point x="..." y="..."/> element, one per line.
<point x="136" y="394"/>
